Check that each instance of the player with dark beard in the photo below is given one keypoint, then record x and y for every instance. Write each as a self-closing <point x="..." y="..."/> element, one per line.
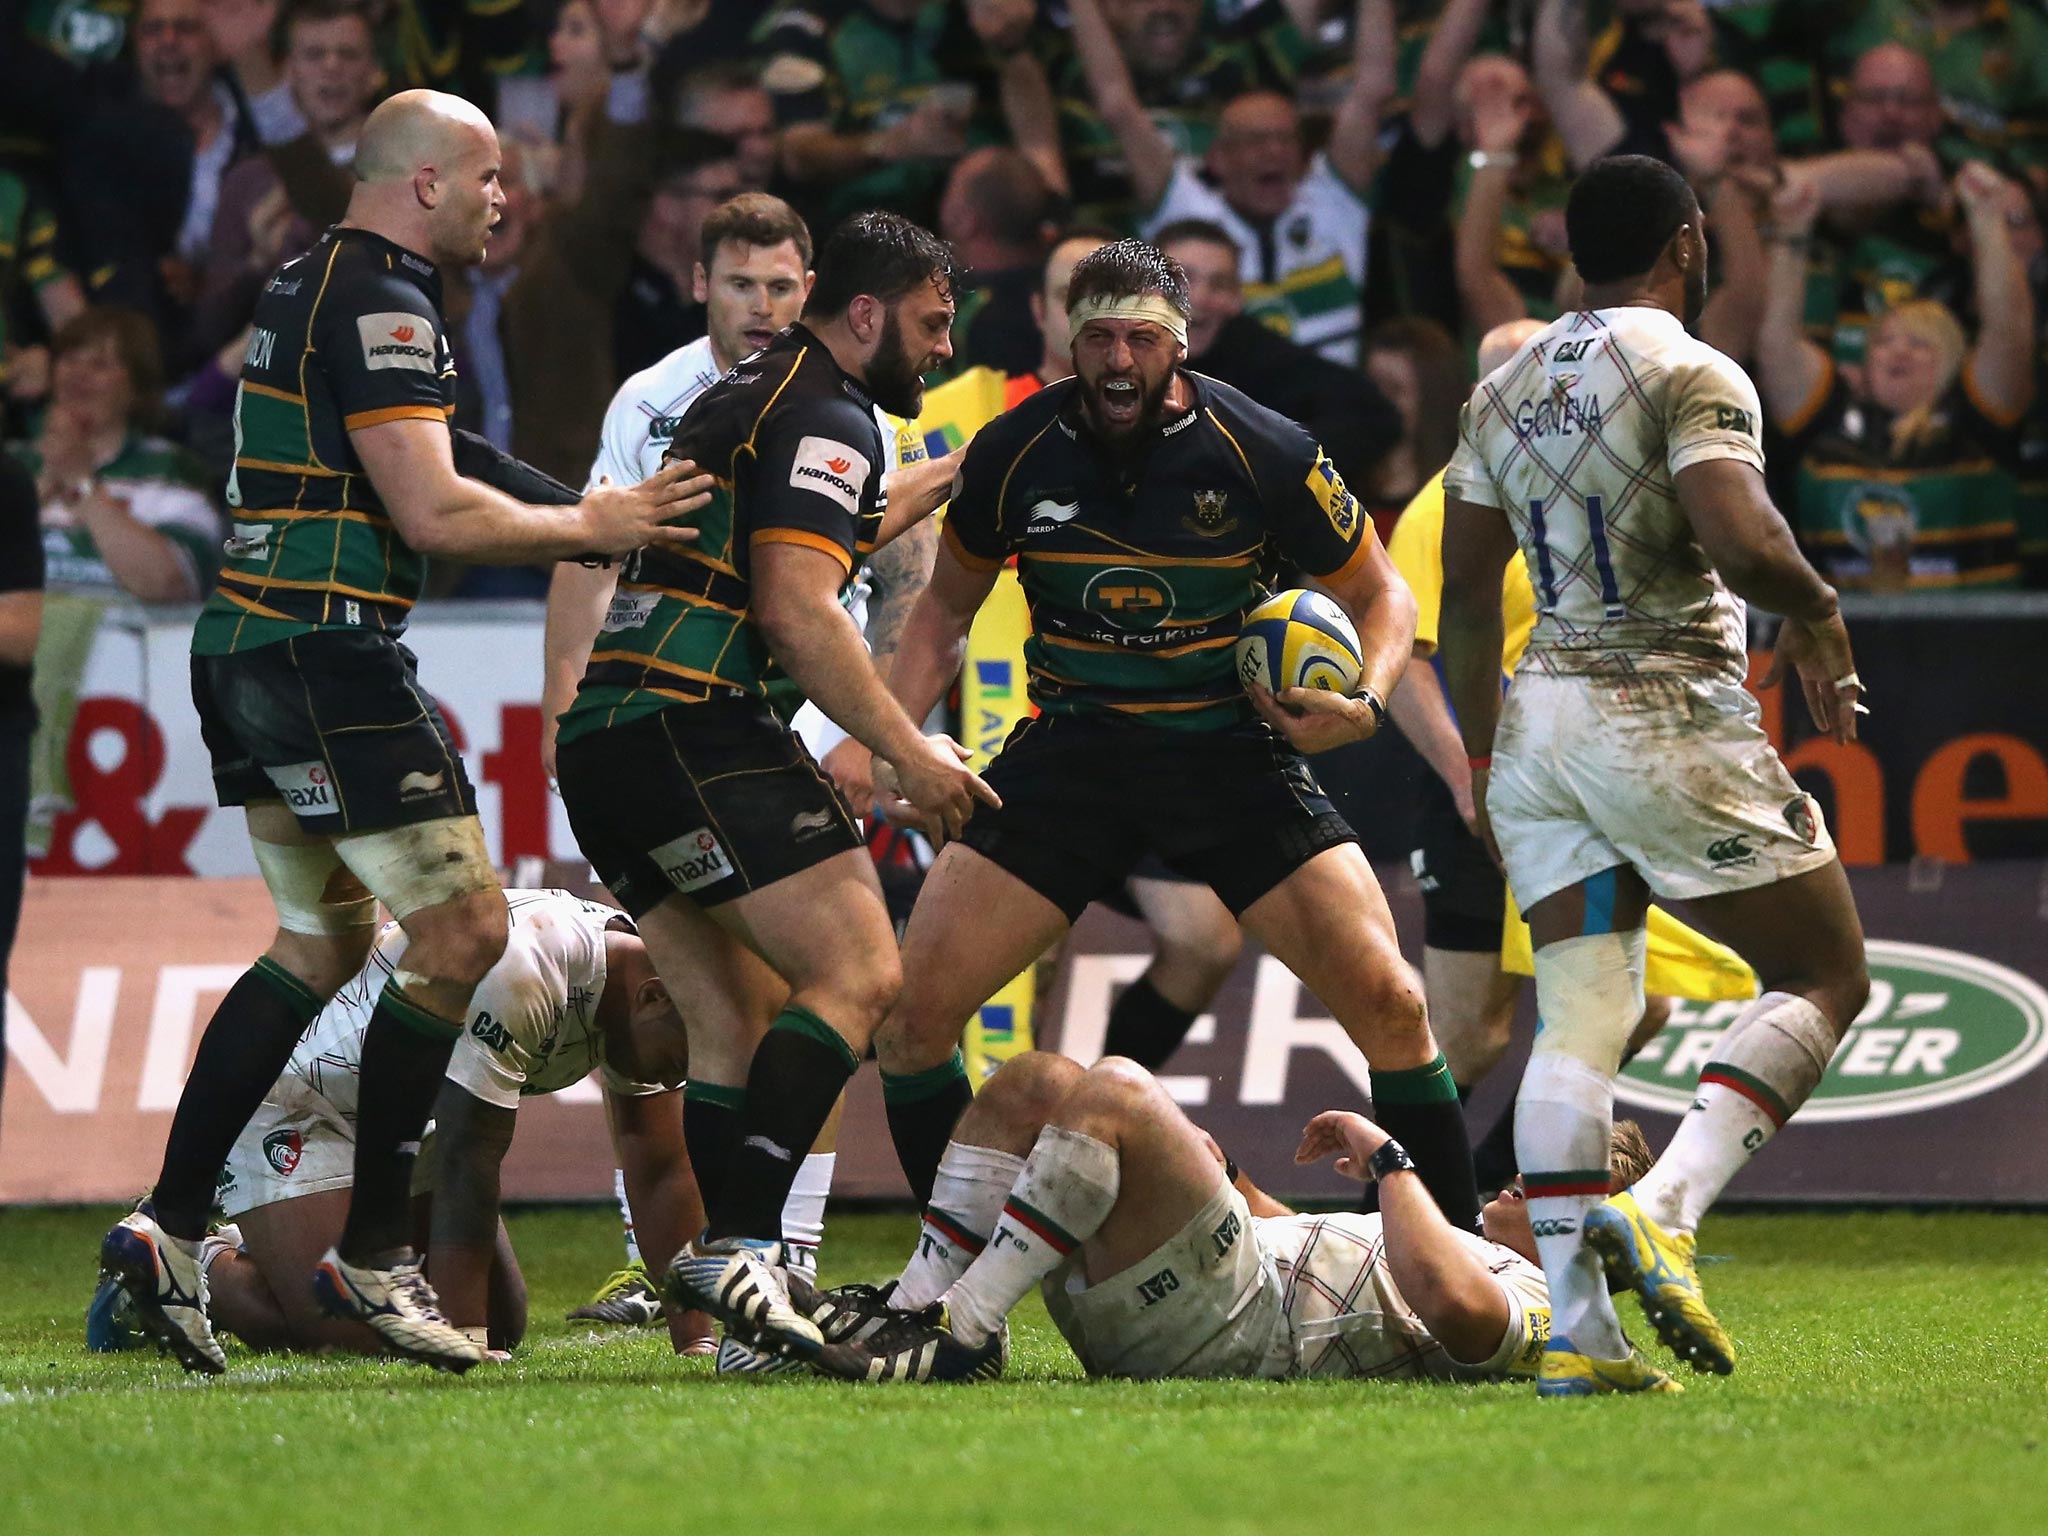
<point x="701" y="811"/>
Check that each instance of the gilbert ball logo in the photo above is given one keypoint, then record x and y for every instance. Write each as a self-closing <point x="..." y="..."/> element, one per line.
<point x="1940" y="1027"/>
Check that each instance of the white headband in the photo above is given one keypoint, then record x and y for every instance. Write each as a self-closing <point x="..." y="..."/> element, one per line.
<point x="1150" y="307"/>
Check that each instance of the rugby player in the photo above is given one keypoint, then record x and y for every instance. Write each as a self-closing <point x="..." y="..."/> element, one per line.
<point x="1145" y="505"/>
<point x="573" y="993"/>
<point x="346" y="479"/>
<point x="696" y="805"/>
<point x="1623" y="457"/>
<point x="1157" y="1259"/>
<point x="752" y="280"/>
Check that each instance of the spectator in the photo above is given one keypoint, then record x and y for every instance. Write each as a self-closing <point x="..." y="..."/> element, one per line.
<point x="1417" y="366"/>
<point x="176" y="64"/>
<point x="1347" y="414"/>
<point x="274" y="204"/>
<point x="597" y="53"/>
<point x="123" y="510"/>
<point x="1906" y="473"/>
<point x="244" y="34"/>
<point x="1511" y="255"/>
<point x="1987" y="70"/>
<point x="33" y="283"/>
<point x="655" y="313"/>
<point x="729" y="100"/>
<point x="1892" y="101"/>
<point x="996" y="215"/>
<point x="1303" y="218"/>
<point x="1182" y="73"/>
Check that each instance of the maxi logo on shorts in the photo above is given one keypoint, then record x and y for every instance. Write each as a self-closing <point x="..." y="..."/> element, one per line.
<point x="1940" y="1027"/>
<point x="307" y="788"/>
<point x="692" y="861"/>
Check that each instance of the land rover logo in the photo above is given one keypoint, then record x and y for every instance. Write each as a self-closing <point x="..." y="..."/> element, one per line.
<point x="1940" y="1027"/>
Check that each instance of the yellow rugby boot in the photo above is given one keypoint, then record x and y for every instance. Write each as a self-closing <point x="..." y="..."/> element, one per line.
<point x="1658" y="1266"/>
<point x="1567" y="1373"/>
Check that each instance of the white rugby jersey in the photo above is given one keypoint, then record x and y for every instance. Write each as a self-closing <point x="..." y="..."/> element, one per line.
<point x="1348" y="1317"/>
<point x="1578" y="438"/>
<point x="532" y="1025"/>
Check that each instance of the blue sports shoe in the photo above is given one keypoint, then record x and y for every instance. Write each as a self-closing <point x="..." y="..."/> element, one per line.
<point x="110" y="1325"/>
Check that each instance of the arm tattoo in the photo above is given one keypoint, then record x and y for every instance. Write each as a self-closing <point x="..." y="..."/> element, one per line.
<point x="900" y="571"/>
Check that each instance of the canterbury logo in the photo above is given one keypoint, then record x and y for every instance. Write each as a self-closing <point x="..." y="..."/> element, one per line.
<point x="1561" y="1227"/>
<point x="403" y="334"/>
<point x="839" y="466"/>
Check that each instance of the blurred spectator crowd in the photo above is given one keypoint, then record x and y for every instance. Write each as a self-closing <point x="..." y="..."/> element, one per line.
<point x="1359" y="189"/>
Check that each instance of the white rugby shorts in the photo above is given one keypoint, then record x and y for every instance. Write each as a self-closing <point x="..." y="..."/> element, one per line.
<point x="1667" y="772"/>
<point x="298" y="1144"/>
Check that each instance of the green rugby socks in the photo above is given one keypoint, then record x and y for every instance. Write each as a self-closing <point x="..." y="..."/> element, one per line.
<point x="923" y="1107"/>
<point x="1418" y="1107"/>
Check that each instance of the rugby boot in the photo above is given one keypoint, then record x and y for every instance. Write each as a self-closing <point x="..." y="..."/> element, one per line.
<point x="628" y="1300"/>
<point x="918" y="1347"/>
<point x="847" y="1314"/>
<point x="1658" y="1266"/>
<point x="1564" y="1372"/>
<point x="402" y="1308"/>
<point x="738" y="1280"/>
<point x="166" y="1286"/>
<point x="110" y="1324"/>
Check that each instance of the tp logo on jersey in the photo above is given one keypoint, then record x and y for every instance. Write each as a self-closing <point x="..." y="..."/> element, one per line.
<point x="396" y="339"/>
<point x="1128" y="598"/>
<point x="832" y="469"/>
<point x="1940" y="1027"/>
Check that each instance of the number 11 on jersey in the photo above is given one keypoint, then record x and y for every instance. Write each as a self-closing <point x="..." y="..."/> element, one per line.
<point x="1603" y="559"/>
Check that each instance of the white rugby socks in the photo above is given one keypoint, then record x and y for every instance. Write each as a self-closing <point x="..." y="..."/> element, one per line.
<point x="967" y="1197"/>
<point x="1065" y="1192"/>
<point x="803" y="1213"/>
<point x="1564" y="1121"/>
<point x="626" y="1215"/>
<point x="1765" y="1067"/>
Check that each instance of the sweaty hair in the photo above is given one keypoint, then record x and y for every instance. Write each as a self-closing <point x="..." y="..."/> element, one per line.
<point x="881" y="254"/>
<point x="1099" y="232"/>
<point x="1628" y="1154"/>
<point x="1202" y="231"/>
<point x="1123" y="269"/>
<point x="1622" y="212"/>
<point x="754" y="218"/>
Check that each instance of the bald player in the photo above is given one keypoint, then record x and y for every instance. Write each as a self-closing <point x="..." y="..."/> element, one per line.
<point x="346" y="478"/>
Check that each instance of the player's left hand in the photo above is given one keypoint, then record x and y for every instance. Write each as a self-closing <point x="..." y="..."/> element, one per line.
<point x="1314" y="720"/>
<point x="852" y="767"/>
<point x="1352" y="1137"/>
<point x="1481" y="823"/>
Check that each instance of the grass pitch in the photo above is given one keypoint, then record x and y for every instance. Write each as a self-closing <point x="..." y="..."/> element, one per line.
<point x="1894" y="1378"/>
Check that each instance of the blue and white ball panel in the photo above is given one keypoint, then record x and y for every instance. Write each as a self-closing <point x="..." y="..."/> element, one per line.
<point x="1299" y="639"/>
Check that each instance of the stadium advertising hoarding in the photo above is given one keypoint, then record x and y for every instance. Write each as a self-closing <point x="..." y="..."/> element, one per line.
<point x="1937" y="1094"/>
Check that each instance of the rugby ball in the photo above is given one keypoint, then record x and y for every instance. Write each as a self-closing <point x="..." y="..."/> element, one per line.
<point x="1298" y="639"/>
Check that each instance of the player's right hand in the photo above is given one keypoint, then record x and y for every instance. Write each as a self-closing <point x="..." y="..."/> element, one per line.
<point x="621" y="519"/>
<point x="1818" y="653"/>
<point x="937" y="781"/>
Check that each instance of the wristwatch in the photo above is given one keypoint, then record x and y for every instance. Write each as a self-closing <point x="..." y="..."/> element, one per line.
<point x="1491" y="159"/>
<point x="1391" y="1158"/>
<point x="1370" y="698"/>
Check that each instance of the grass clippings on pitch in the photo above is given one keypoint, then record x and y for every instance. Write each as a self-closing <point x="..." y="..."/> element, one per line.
<point x="1894" y="1378"/>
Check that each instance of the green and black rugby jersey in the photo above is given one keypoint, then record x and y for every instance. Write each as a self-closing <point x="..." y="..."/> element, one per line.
<point x="1139" y="573"/>
<point x="347" y="336"/>
<point x="798" y="459"/>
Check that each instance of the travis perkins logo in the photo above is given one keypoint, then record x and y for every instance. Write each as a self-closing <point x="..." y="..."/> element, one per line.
<point x="397" y="340"/>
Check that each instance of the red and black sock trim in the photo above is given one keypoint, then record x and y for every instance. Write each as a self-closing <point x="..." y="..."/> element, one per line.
<point x="1754" y="1089"/>
<point x="1042" y="1226"/>
<point x="953" y="1231"/>
<point x="1564" y="1183"/>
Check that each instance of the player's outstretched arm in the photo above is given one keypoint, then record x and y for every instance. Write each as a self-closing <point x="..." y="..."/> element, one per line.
<point x="916" y="491"/>
<point x="1146" y="150"/>
<point x="1446" y="1283"/>
<point x="472" y="1138"/>
<point x="796" y="605"/>
<point x="411" y="463"/>
<point x="661" y="1189"/>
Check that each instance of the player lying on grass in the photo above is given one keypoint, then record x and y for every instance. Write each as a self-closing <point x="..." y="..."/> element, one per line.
<point x="1157" y="1259"/>
<point x="574" y="993"/>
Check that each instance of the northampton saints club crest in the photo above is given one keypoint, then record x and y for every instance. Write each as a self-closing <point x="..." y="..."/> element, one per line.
<point x="1212" y="514"/>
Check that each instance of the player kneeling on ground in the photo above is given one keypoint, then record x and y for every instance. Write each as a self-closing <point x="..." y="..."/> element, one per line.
<point x="574" y="993"/>
<point x="1158" y="1259"/>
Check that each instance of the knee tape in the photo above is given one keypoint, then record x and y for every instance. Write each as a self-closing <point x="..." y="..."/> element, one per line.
<point x="423" y="865"/>
<point x="314" y="892"/>
<point x="1589" y="993"/>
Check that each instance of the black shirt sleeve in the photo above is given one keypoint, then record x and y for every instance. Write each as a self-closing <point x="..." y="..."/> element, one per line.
<point x="974" y="525"/>
<point x="21" y="534"/>
<point x="1314" y="519"/>
<point x="817" y="479"/>
<point x="382" y="351"/>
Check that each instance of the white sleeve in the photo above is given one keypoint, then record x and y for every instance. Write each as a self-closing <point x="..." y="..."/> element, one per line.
<point x="615" y="456"/>
<point x="1712" y="412"/>
<point x="510" y="1016"/>
<point x="1467" y="476"/>
<point x="1187" y="196"/>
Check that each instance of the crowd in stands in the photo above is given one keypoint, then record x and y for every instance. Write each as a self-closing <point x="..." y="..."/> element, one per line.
<point x="1358" y="189"/>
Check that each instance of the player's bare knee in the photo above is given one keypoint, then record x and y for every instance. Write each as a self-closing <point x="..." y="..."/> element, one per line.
<point x="459" y="941"/>
<point x="1029" y="1087"/>
<point x="1391" y="1006"/>
<point x="325" y="961"/>
<point x="1109" y="1095"/>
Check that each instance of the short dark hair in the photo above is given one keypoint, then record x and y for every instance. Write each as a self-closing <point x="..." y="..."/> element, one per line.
<point x="684" y="151"/>
<point x="1123" y="269"/>
<point x="1204" y="231"/>
<point x="1622" y="212"/>
<point x="293" y="12"/>
<point x="878" y="253"/>
<point x="754" y="218"/>
<point x="1010" y="197"/>
<point x="135" y="342"/>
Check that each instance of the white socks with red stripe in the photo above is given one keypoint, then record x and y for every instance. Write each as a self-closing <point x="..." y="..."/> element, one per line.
<point x="967" y="1197"/>
<point x="1066" y="1191"/>
<point x="803" y="1213"/>
<point x="1766" y="1066"/>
